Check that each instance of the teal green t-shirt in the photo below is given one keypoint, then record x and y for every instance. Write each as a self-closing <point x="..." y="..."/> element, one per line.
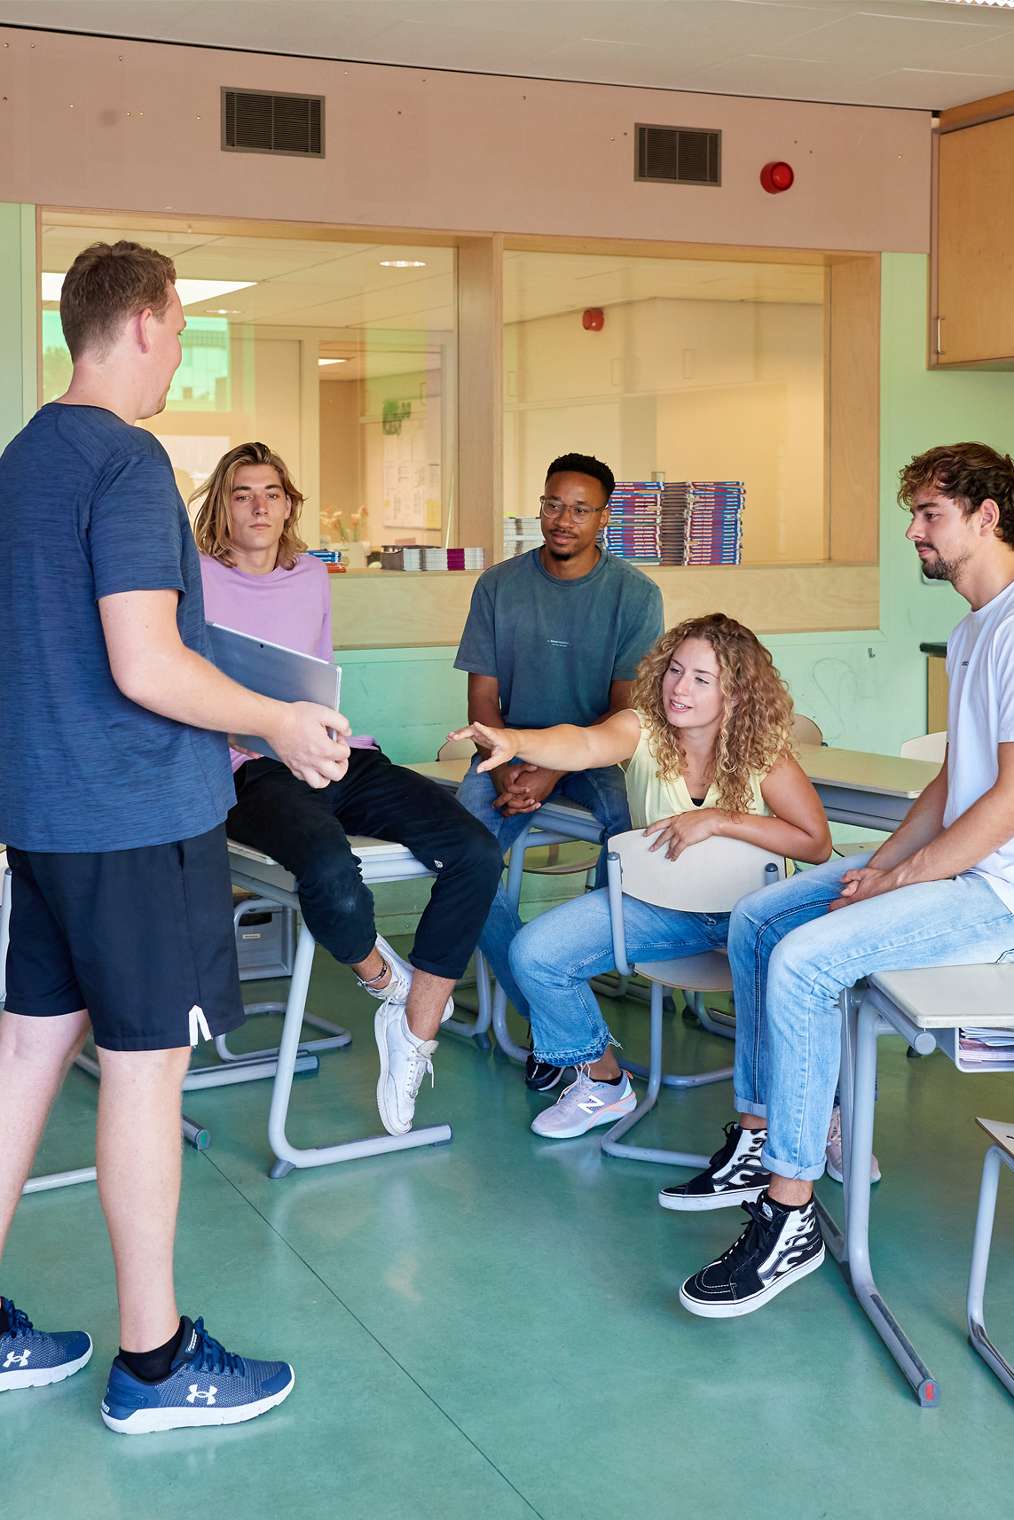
<point x="556" y="646"/>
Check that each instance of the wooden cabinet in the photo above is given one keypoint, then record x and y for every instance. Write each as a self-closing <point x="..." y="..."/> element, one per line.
<point x="972" y="289"/>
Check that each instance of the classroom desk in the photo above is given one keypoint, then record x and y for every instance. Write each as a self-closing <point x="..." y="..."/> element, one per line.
<point x="873" y="791"/>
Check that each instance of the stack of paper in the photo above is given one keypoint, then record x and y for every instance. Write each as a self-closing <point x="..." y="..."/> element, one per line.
<point x="987" y="1047"/>
<point x="714" y="530"/>
<point x="521" y="534"/>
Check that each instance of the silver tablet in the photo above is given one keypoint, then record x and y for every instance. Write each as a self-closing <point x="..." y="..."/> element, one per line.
<point x="273" y="671"/>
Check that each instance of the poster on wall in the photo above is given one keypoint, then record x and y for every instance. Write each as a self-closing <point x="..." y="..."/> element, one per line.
<point x="411" y="465"/>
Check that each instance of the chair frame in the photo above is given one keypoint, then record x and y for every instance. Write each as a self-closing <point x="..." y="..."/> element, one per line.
<point x="612" y="1142"/>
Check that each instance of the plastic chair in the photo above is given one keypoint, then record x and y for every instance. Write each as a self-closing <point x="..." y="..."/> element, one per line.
<point x="805" y="731"/>
<point x="709" y="877"/>
<point x="926" y="747"/>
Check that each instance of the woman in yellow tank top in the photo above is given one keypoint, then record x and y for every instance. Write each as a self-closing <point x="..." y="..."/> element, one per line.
<point x="708" y="745"/>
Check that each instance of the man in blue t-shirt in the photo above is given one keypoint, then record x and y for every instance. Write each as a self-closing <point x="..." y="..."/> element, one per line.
<point x="553" y="636"/>
<point x="114" y="785"/>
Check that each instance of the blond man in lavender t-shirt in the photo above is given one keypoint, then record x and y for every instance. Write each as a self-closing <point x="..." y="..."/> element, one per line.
<point x="258" y="579"/>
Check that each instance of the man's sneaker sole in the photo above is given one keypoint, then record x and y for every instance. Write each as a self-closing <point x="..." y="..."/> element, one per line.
<point x="43" y="1377"/>
<point x="388" y="1116"/>
<point x="698" y="1203"/>
<point x="736" y="1309"/>
<point x="608" y="1115"/>
<point x="144" y="1422"/>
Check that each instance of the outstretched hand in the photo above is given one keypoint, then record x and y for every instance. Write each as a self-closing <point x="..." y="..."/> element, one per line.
<point x="501" y="743"/>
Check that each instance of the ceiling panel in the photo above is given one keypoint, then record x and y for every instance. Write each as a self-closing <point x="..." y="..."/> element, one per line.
<point x="880" y="52"/>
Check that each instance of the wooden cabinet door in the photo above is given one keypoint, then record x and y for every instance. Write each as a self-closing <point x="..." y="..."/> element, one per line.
<point x="975" y="244"/>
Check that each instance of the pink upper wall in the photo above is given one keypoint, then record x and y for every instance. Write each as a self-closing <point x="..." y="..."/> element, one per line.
<point x="90" y="122"/>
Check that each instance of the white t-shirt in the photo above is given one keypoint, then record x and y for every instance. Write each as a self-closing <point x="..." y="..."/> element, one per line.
<point x="980" y="716"/>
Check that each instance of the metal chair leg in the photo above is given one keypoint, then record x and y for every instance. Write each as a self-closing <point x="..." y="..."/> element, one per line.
<point x="611" y="1142"/>
<point x="287" y="1156"/>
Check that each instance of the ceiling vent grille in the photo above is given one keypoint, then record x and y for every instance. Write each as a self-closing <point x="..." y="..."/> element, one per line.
<point x="253" y="122"/>
<point x="678" y="156"/>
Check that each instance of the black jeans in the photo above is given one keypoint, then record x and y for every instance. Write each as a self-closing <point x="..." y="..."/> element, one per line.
<point x="305" y="831"/>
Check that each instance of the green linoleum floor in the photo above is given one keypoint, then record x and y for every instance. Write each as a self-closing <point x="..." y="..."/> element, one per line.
<point x="489" y="1329"/>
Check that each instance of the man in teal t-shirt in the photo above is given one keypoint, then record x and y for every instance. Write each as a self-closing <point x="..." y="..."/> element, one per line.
<point x="553" y="636"/>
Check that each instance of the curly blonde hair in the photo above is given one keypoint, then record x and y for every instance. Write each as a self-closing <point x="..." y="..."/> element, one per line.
<point x="212" y="524"/>
<point x="756" y="725"/>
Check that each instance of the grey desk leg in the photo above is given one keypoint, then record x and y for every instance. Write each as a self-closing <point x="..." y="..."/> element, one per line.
<point x="994" y="1359"/>
<point x="287" y="1155"/>
<point x="920" y="1379"/>
<point x="515" y="877"/>
<point x="611" y="1143"/>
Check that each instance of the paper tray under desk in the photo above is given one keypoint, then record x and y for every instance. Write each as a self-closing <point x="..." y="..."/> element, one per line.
<point x="949" y="1041"/>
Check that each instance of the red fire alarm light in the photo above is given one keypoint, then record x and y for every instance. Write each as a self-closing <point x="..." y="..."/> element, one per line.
<point x="594" y="319"/>
<point x="776" y="177"/>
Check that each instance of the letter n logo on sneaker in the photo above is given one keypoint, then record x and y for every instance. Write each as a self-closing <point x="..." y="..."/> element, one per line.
<point x="16" y="1360"/>
<point x="591" y="1104"/>
<point x="195" y="1394"/>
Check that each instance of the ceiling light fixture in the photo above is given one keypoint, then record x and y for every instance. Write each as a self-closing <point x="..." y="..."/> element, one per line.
<point x="403" y="263"/>
<point x="322" y="362"/>
<point x="190" y="292"/>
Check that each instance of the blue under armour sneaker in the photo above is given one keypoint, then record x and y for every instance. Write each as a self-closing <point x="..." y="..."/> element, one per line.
<point x="207" y="1385"/>
<point x="31" y="1358"/>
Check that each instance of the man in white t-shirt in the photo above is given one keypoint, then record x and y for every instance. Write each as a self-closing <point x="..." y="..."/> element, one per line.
<point x="938" y="892"/>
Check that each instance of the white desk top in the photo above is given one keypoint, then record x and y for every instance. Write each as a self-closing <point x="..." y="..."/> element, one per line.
<point x="945" y="997"/>
<point x="858" y="771"/>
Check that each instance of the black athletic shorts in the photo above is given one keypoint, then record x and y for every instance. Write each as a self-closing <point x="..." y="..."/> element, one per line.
<point x="141" y="938"/>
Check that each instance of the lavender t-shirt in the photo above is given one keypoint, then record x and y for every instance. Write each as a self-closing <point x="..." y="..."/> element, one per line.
<point x="287" y="607"/>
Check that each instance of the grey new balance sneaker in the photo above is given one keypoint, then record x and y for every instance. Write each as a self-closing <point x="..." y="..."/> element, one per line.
<point x="584" y="1105"/>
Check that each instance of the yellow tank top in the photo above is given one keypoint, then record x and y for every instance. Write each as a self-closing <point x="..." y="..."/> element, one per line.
<point x="650" y="798"/>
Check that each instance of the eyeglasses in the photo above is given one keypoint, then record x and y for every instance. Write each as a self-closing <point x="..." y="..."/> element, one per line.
<point x="549" y="506"/>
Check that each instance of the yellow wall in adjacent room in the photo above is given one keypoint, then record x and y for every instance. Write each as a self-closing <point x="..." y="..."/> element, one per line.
<point x="655" y="390"/>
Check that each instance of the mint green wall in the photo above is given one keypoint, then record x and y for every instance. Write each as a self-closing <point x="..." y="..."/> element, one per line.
<point x="18" y="343"/>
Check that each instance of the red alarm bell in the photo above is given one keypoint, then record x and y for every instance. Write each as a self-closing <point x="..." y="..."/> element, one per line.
<point x="594" y="319"/>
<point x="776" y="177"/>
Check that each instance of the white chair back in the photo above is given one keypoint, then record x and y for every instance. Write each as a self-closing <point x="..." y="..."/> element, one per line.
<point x="926" y="747"/>
<point x="709" y="877"/>
<point x="456" y="749"/>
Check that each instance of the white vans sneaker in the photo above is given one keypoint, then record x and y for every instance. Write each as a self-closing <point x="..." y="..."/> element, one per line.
<point x="834" y="1151"/>
<point x="584" y="1105"/>
<point x="399" y="986"/>
<point x="404" y="1061"/>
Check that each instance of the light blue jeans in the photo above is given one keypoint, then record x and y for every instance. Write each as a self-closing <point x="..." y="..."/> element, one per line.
<point x="601" y="791"/>
<point x="554" y="955"/>
<point x="791" y="960"/>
